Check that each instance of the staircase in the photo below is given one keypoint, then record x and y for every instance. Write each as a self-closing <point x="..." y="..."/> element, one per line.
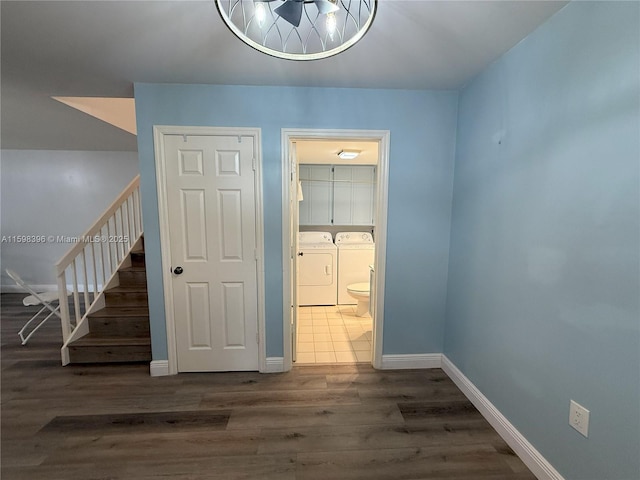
<point x="119" y="332"/>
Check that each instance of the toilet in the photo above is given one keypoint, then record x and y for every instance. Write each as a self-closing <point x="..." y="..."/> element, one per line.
<point x="360" y="291"/>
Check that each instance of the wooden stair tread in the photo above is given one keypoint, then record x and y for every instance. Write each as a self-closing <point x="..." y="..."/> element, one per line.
<point x="134" y="288"/>
<point x="119" y="332"/>
<point x="99" y="341"/>
<point x="121" y="312"/>
<point x="133" y="269"/>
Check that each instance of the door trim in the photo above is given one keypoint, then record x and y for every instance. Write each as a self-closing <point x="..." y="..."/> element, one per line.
<point x="159" y="131"/>
<point x="383" y="139"/>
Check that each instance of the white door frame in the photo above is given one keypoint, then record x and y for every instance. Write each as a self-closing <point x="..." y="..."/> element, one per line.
<point x="159" y="131"/>
<point x="382" y="137"/>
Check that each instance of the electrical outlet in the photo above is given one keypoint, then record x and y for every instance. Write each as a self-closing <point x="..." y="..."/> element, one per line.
<point x="579" y="418"/>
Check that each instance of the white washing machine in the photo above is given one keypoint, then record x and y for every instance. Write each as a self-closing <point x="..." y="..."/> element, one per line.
<point x="356" y="252"/>
<point x="317" y="269"/>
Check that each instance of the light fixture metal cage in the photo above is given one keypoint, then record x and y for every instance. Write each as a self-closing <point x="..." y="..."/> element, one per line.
<point x="319" y="35"/>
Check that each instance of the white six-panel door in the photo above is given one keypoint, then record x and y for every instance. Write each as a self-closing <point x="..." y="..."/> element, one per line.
<point x="210" y="193"/>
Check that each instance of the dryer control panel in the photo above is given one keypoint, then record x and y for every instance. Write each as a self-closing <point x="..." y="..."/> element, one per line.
<point x="346" y="238"/>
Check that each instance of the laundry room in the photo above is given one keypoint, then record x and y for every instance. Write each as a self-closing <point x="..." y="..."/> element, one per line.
<point x="336" y="250"/>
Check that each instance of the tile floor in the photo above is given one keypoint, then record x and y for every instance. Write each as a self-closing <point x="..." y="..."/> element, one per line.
<point x="333" y="334"/>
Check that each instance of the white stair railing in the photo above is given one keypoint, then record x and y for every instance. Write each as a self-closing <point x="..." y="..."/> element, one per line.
<point x="92" y="263"/>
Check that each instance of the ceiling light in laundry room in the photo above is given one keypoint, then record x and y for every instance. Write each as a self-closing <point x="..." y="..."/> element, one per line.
<point x="348" y="154"/>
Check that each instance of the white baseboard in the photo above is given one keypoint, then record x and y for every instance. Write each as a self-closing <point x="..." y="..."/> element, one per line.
<point x="274" y="365"/>
<point x="159" y="368"/>
<point x="533" y="459"/>
<point x="411" y="361"/>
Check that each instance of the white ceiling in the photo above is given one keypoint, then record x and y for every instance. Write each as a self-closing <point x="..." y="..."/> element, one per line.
<point x="99" y="48"/>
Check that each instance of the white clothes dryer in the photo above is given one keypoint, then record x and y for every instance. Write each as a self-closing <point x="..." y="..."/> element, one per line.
<point x="317" y="269"/>
<point x="356" y="252"/>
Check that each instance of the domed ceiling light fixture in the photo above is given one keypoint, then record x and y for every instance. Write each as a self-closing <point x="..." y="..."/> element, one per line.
<point x="298" y="29"/>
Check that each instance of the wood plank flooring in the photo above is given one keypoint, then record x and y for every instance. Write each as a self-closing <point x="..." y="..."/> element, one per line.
<point x="99" y="422"/>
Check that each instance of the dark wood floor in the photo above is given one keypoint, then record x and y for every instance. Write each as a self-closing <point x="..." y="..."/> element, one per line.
<point x="96" y="422"/>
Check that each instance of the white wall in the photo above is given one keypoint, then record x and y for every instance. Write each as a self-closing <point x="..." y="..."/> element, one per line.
<point x="53" y="193"/>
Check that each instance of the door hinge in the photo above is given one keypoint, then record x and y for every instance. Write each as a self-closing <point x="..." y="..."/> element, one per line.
<point x="254" y="164"/>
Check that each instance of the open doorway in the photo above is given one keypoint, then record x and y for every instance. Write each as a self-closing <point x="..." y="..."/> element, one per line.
<point x="343" y="225"/>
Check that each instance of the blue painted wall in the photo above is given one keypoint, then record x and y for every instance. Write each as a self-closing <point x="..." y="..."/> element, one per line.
<point x="544" y="263"/>
<point x="422" y="126"/>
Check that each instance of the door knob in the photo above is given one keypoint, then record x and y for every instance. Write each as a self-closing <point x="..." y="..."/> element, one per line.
<point x="300" y="254"/>
<point x="178" y="270"/>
